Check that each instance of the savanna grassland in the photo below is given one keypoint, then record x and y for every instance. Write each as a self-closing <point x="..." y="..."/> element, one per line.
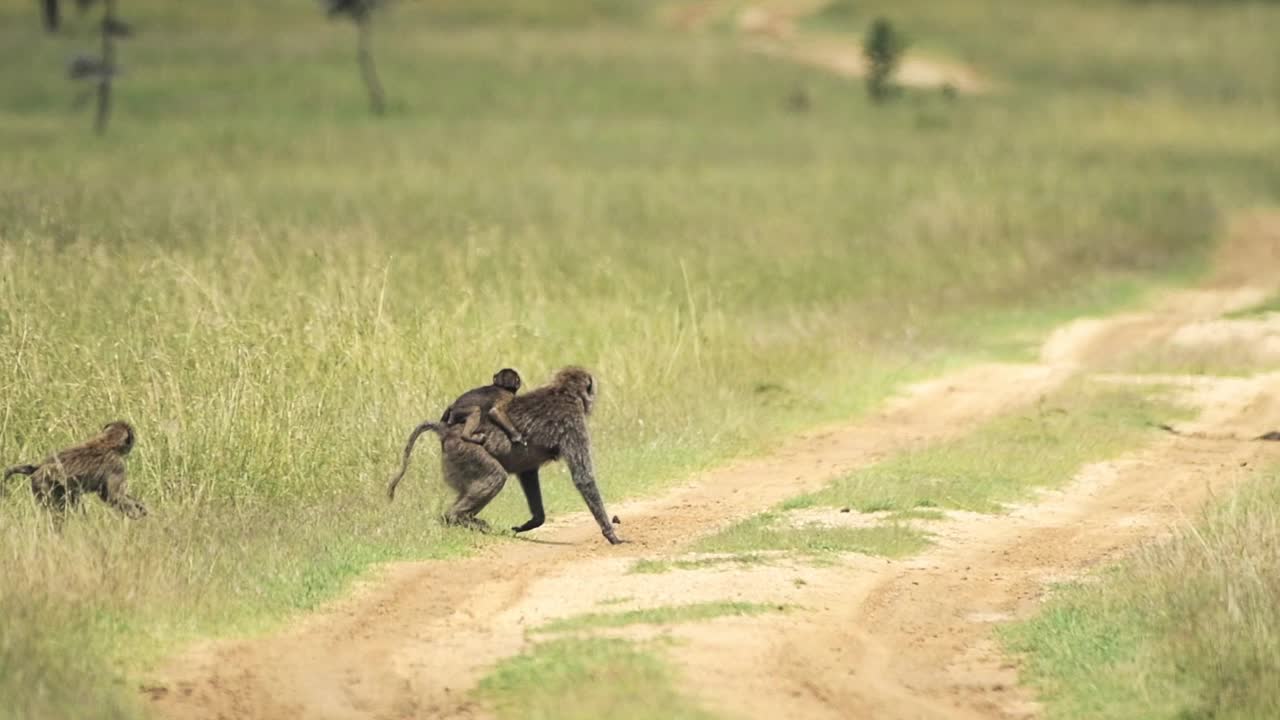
<point x="274" y="286"/>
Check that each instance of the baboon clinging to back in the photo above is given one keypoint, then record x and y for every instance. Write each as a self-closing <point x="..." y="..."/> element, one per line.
<point x="489" y="400"/>
<point x="95" y="466"/>
<point x="553" y="420"/>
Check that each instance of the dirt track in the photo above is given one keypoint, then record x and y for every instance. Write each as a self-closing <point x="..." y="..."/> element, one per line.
<point x="874" y="638"/>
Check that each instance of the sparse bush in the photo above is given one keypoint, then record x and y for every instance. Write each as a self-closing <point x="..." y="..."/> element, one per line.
<point x="100" y="69"/>
<point x="361" y="12"/>
<point x="1198" y="614"/>
<point x="883" y="49"/>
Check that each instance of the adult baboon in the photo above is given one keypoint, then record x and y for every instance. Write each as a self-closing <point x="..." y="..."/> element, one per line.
<point x="95" y="466"/>
<point x="553" y="420"/>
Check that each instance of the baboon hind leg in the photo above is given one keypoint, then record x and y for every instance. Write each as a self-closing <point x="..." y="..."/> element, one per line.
<point x="477" y="477"/>
<point x="53" y="496"/>
<point x="471" y="425"/>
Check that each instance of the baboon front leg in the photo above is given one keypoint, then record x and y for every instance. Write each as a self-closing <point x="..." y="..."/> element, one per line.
<point x="128" y="505"/>
<point x="532" y="488"/>
<point x="499" y="417"/>
<point x="113" y="493"/>
<point x="584" y="478"/>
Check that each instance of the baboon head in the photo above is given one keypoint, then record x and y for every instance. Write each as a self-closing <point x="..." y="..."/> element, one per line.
<point x="507" y="379"/>
<point x="118" y="436"/>
<point x="580" y="383"/>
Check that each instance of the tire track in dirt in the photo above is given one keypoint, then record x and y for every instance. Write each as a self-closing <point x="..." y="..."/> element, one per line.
<point x="408" y="642"/>
<point x="912" y="639"/>
<point x="886" y="639"/>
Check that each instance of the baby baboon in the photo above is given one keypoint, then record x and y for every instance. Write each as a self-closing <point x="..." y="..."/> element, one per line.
<point x="553" y="419"/>
<point x="95" y="466"/>
<point x="489" y="400"/>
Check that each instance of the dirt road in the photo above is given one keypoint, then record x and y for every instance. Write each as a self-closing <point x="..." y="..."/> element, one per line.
<point x="872" y="638"/>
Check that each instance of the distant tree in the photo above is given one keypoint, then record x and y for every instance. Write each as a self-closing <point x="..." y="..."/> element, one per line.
<point x="883" y="49"/>
<point x="361" y="12"/>
<point x="102" y="68"/>
<point x="52" y="17"/>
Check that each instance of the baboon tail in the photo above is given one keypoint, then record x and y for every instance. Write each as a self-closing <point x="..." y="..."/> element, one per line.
<point x="17" y="470"/>
<point x="20" y="470"/>
<point x="435" y="427"/>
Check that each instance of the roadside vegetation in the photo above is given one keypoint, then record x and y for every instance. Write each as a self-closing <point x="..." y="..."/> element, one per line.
<point x="1187" y="628"/>
<point x="275" y="286"/>
<point x="657" y="616"/>
<point x="1004" y="461"/>
<point x="584" y="679"/>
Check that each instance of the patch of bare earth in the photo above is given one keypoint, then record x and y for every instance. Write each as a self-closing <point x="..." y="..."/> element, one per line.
<point x="845" y="58"/>
<point x="867" y="637"/>
<point x="769" y="28"/>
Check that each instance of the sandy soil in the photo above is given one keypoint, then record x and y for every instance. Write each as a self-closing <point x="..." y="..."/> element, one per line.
<point x="869" y="637"/>
<point x="769" y="27"/>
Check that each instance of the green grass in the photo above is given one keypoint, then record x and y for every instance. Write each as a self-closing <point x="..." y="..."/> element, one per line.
<point x="917" y="513"/>
<point x="769" y="531"/>
<point x="654" y="567"/>
<point x="1042" y="447"/>
<point x="586" y="679"/>
<point x="275" y="287"/>
<point x="1000" y="462"/>
<point x="657" y="616"/>
<point x="1184" y="630"/>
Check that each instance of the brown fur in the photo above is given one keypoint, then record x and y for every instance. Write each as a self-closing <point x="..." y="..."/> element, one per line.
<point x="488" y="401"/>
<point x="553" y="420"/>
<point x="95" y="466"/>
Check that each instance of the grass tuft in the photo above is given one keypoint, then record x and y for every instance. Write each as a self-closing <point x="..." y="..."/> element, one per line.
<point x="657" y="616"/>
<point x="767" y="531"/>
<point x="585" y="679"/>
<point x="662" y="566"/>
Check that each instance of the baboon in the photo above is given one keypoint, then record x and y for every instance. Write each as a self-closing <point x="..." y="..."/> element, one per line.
<point x="95" y="466"/>
<point x="553" y="419"/>
<point x="489" y="400"/>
